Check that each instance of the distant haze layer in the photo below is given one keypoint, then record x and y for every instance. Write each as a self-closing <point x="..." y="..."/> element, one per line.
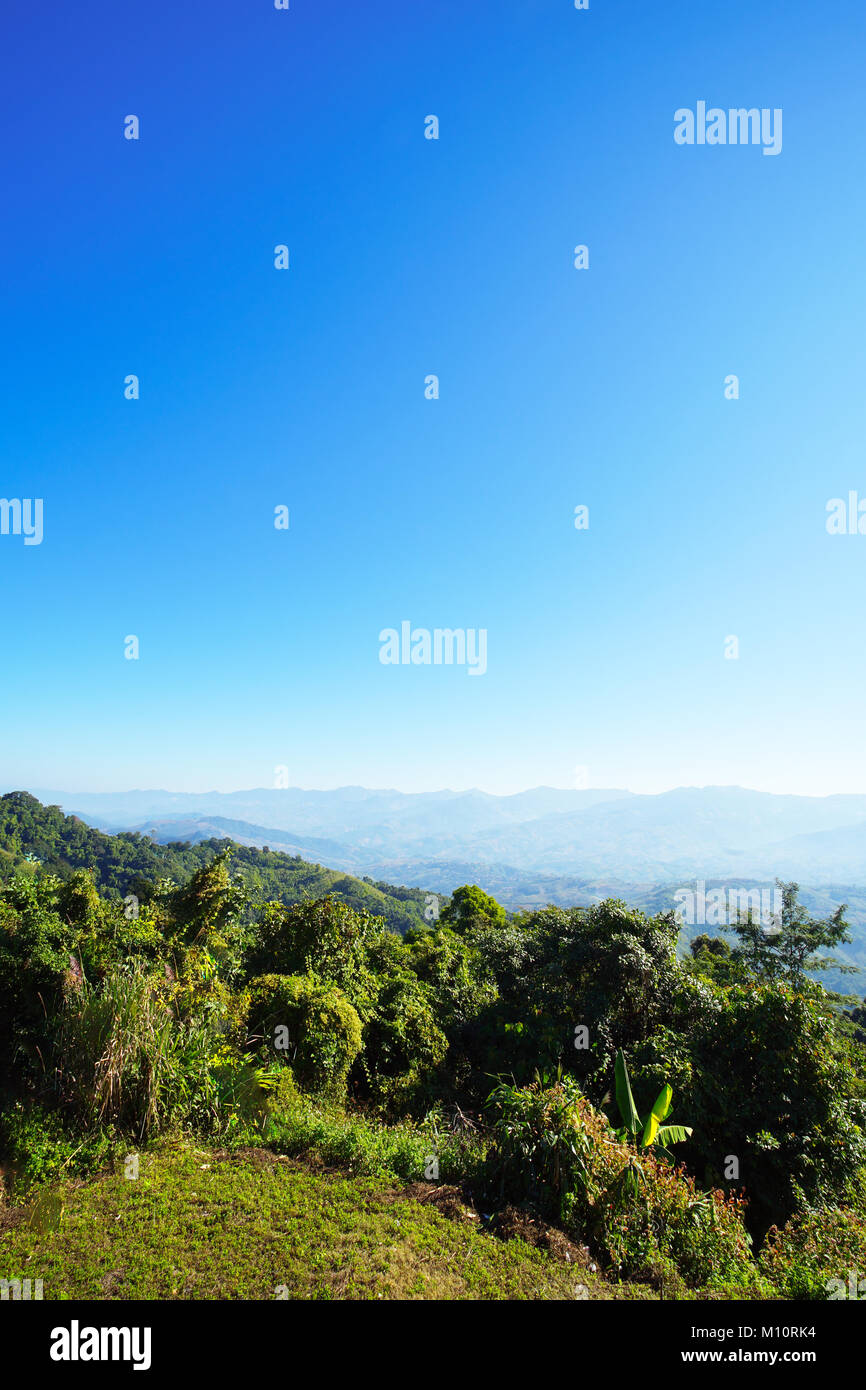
<point x="691" y="831"/>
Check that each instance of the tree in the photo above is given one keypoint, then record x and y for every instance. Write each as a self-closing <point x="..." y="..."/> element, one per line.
<point x="204" y="926"/>
<point x="791" y="948"/>
<point x="764" y="1081"/>
<point x="712" y="958"/>
<point x="451" y="966"/>
<point x="403" y="1042"/>
<point x="326" y="937"/>
<point x="469" y="907"/>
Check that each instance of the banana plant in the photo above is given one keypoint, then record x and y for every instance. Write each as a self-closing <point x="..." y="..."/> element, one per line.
<point x="651" y="1131"/>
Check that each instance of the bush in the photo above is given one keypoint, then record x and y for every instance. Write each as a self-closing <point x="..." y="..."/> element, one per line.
<point x="322" y="1031"/>
<point x="403" y="1043"/>
<point x="325" y="938"/>
<point x="35" y="946"/>
<point x="38" y="1148"/>
<point x="608" y="967"/>
<point x="639" y="1213"/>
<point x="804" y="1257"/>
<point x="770" y="1085"/>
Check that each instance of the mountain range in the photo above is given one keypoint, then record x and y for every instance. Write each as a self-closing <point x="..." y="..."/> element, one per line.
<point x="690" y="832"/>
<point x="541" y="846"/>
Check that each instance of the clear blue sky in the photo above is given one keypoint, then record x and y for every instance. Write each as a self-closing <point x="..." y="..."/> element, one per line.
<point x="409" y="256"/>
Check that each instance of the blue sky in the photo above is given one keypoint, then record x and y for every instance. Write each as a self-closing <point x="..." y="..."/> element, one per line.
<point x="408" y="257"/>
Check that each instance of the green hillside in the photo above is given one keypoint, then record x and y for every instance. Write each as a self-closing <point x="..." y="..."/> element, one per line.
<point x="34" y="836"/>
<point x="212" y="1092"/>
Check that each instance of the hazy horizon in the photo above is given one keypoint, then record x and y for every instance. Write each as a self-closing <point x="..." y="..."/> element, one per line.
<point x="418" y="791"/>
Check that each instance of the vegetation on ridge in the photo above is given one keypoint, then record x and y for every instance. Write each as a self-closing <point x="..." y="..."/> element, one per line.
<point x="478" y="1052"/>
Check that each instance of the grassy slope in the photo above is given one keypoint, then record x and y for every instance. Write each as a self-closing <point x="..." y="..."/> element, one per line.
<point x="204" y="1224"/>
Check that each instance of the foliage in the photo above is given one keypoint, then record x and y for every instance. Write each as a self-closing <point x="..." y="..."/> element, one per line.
<point x="793" y="945"/>
<point x="325" y="937"/>
<point x="304" y="1124"/>
<point x="123" y="1021"/>
<point x="552" y="1148"/>
<point x="461" y="986"/>
<point x="768" y="1085"/>
<point x="650" y="1131"/>
<point x="322" y="1032"/>
<point x="403" y="1043"/>
<point x="470" y="907"/>
<point x="124" y="1059"/>
<point x="40" y="1148"/>
<point x="815" y="1248"/>
<point x="38" y="839"/>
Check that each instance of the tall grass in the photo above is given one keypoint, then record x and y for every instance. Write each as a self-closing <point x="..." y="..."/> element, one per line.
<point x="123" y="1058"/>
<point x="365" y="1145"/>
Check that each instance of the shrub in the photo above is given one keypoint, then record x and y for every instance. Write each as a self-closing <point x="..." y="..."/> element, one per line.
<point x="47" y="929"/>
<point x="815" y="1248"/>
<point x="39" y="1148"/>
<point x="244" y="1097"/>
<point x="402" y="1151"/>
<point x="451" y="967"/>
<point x="770" y="1085"/>
<point x="322" y="1030"/>
<point x="403" y="1043"/>
<point x="639" y="1213"/>
<point x="35" y="946"/>
<point x="325" y="938"/>
<point x="206" y="914"/>
<point x="652" y="1214"/>
<point x="607" y="967"/>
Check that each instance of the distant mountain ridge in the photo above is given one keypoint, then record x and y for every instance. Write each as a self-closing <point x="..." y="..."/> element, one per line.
<point x="34" y="838"/>
<point x="281" y="864"/>
<point x="346" y="811"/>
<point x="719" y="832"/>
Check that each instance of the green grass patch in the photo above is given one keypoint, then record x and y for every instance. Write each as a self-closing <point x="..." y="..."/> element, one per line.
<point x="365" y="1146"/>
<point x="213" y="1224"/>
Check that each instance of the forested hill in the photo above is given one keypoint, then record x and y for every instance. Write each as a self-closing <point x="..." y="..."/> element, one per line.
<point x="33" y="836"/>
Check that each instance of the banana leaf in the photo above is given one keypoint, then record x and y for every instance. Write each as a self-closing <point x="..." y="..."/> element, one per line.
<point x="659" y="1112"/>
<point x="674" y="1134"/>
<point x="624" y="1097"/>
